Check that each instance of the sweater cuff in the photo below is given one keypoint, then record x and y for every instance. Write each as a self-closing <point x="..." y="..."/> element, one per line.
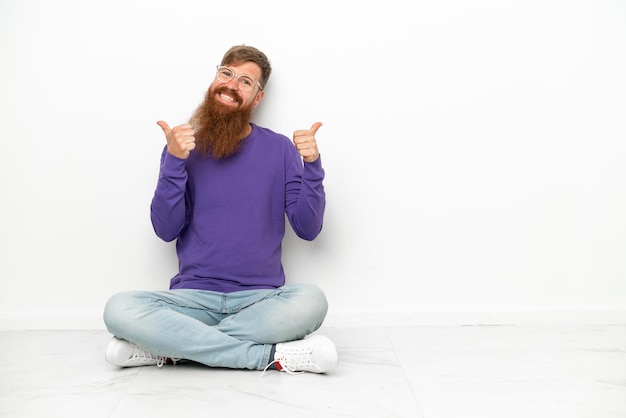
<point x="314" y="170"/>
<point x="173" y="166"/>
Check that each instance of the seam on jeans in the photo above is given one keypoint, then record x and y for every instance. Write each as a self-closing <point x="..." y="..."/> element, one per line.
<point x="234" y="313"/>
<point x="184" y="305"/>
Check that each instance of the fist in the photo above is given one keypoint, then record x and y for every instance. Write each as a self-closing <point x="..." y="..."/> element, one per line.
<point x="305" y="143"/>
<point x="180" y="139"/>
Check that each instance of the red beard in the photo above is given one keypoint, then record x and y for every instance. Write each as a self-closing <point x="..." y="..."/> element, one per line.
<point x="219" y="129"/>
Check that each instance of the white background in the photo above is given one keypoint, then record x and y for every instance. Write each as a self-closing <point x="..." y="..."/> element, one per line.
<point x="474" y="151"/>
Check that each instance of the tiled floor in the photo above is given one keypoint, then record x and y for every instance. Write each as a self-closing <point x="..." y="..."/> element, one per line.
<point x="431" y="372"/>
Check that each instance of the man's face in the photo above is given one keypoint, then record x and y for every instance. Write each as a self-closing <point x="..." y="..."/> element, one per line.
<point x="230" y="96"/>
<point x="223" y="118"/>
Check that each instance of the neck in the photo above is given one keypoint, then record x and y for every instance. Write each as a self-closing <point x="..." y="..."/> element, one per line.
<point x="247" y="131"/>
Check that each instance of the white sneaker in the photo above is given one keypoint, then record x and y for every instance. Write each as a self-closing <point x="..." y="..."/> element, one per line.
<point x="315" y="354"/>
<point x="122" y="353"/>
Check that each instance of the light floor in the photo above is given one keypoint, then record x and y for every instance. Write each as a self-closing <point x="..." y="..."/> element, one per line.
<point x="431" y="372"/>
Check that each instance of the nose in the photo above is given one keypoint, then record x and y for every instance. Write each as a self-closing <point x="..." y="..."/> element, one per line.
<point x="233" y="83"/>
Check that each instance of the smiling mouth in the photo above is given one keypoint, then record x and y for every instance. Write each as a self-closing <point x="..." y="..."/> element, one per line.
<point x="229" y="96"/>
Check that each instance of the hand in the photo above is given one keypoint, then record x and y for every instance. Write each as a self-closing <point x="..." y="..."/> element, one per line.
<point x="180" y="139"/>
<point x="305" y="143"/>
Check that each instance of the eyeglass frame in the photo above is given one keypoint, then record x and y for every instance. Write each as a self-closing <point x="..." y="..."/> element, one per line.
<point x="235" y="75"/>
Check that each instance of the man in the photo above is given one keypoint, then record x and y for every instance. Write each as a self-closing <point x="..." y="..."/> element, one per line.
<point x="224" y="187"/>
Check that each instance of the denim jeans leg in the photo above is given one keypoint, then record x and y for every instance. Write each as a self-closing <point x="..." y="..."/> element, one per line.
<point x="288" y="313"/>
<point x="181" y="324"/>
<point x="233" y="330"/>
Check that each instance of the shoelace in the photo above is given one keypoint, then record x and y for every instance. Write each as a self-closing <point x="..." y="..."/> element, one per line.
<point x="267" y="367"/>
<point x="286" y="369"/>
<point x="296" y="361"/>
<point x="141" y="354"/>
<point x="292" y="361"/>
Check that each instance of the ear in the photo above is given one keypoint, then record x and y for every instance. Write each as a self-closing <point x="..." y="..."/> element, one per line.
<point x="258" y="98"/>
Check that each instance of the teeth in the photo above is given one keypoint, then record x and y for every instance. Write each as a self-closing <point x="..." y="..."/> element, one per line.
<point x="228" y="98"/>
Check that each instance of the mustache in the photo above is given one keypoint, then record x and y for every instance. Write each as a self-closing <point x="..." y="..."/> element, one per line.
<point x="230" y="92"/>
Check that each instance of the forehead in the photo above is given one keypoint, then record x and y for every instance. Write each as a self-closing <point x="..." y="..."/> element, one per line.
<point x="248" y="68"/>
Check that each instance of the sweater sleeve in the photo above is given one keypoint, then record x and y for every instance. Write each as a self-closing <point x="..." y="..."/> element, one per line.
<point x="306" y="198"/>
<point x="168" y="211"/>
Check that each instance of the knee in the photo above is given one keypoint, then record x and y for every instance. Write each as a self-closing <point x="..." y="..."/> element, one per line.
<point x="312" y="301"/>
<point x="116" y="311"/>
<point x="318" y="297"/>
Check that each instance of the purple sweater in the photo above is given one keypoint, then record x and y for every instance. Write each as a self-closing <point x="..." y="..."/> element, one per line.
<point x="228" y="215"/>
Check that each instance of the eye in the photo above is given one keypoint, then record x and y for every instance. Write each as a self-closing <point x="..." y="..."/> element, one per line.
<point x="226" y="73"/>
<point x="247" y="81"/>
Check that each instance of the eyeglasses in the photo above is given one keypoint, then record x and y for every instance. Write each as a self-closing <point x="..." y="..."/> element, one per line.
<point x="245" y="82"/>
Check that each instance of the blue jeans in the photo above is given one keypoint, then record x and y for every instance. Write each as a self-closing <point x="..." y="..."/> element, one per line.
<point x="235" y="330"/>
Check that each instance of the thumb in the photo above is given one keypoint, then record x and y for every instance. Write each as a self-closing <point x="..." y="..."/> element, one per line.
<point x="315" y="127"/>
<point x="166" y="128"/>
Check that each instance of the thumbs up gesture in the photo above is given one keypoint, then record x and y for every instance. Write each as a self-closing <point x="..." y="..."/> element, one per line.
<point x="306" y="144"/>
<point x="180" y="139"/>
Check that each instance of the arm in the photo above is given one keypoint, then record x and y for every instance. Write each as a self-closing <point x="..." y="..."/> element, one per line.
<point x="306" y="199"/>
<point x="168" y="211"/>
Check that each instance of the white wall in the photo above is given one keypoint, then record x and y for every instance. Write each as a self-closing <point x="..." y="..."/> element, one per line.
<point x="474" y="151"/>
